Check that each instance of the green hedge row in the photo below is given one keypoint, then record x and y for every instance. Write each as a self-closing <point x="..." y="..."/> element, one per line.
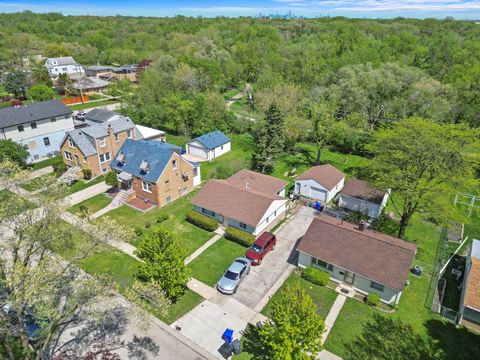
<point x="202" y="221"/>
<point x="316" y="276"/>
<point x="239" y="236"/>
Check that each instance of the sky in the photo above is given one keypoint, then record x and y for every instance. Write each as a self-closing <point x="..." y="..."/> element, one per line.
<point x="467" y="9"/>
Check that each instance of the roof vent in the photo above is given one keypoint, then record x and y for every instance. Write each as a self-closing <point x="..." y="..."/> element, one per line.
<point x="144" y="166"/>
<point x="121" y="157"/>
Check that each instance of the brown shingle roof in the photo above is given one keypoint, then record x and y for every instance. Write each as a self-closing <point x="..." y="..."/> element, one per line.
<point x="472" y="291"/>
<point x="235" y="201"/>
<point x="326" y="175"/>
<point x="362" y="190"/>
<point x="257" y="182"/>
<point x="376" y="256"/>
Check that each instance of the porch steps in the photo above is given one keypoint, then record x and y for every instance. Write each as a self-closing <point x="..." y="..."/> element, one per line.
<point x="120" y="198"/>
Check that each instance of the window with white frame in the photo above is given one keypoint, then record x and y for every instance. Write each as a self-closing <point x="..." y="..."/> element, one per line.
<point x="129" y="134"/>
<point x="320" y="263"/>
<point x="33" y="125"/>
<point x="376" y="286"/>
<point x="71" y="143"/>
<point x="104" y="170"/>
<point x="104" y="157"/>
<point x="146" y="186"/>
<point x="46" y="141"/>
<point x="20" y="128"/>
<point x="117" y="138"/>
<point x="102" y="142"/>
<point x="242" y="225"/>
<point x="168" y="199"/>
<point x="68" y="155"/>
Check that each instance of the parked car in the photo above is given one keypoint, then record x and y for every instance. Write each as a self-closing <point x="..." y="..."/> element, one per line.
<point x="233" y="276"/>
<point x="261" y="247"/>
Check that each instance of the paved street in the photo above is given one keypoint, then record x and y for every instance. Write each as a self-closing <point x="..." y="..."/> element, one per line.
<point x="281" y="260"/>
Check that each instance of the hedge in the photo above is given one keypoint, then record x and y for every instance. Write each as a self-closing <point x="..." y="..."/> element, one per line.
<point x="202" y="221"/>
<point x="239" y="236"/>
<point x="315" y="276"/>
<point x="373" y="299"/>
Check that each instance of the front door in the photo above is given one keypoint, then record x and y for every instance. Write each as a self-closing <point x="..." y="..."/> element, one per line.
<point x="77" y="160"/>
<point x="348" y="277"/>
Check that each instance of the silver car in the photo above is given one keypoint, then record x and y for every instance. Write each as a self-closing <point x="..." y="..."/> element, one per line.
<point x="234" y="275"/>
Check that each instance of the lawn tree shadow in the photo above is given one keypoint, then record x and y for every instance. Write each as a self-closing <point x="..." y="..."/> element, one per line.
<point x="309" y="159"/>
<point x="454" y="342"/>
<point x="106" y="331"/>
<point x="388" y="338"/>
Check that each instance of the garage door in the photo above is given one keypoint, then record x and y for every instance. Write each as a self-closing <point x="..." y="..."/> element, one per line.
<point x="316" y="193"/>
<point x="197" y="151"/>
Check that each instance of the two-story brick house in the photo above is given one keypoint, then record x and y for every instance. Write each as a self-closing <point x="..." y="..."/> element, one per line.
<point x="154" y="171"/>
<point x="93" y="147"/>
<point x="40" y="126"/>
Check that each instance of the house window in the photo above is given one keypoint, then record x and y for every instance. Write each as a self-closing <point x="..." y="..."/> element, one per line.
<point x="168" y="199"/>
<point x="221" y="147"/>
<point x="275" y="213"/>
<point x="117" y="138"/>
<point x="376" y="286"/>
<point x="53" y="120"/>
<point x="104" y="170"/>
<point x="102" y="142"/>
<point x="208" y="212"/>
<point x="46" y="141"/>
<point x="65" y="117"/>
<point x="71" y="143"/>
<point x="267" y="220"/>
<point x="146" y="186"/>
<point x="20" y="128"/>
<point x="174" y="164"/>
<point x="242" y="225"/>
<point x="129" y="134"/>
<point x="195" y="172"/>
<point x="104" y="157"/>
<point x="33" y="125"/>
<point x="322" y="264"/>
<point x="68" y="155"/>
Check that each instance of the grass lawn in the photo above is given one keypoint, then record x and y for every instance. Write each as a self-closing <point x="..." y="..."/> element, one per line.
<point x="121" y="268"/>
<point x="93" y="204"/>
<point x="44" y="163"/>
<point x="81" y="184"/>
<point x="6" y="198"/>
<point x="193" y="236"/>
<point x="231" y="93"/>
<point x="178" y="140"/>
<point x="92" y="104"/>
<point x="241" y="107"/>
<point x="36" y="184"/>
<point x="322" y="296"/>
<point x="212" y="263"/>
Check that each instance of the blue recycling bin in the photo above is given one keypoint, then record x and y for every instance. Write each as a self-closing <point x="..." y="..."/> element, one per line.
<point x="318" y="206"/>
<point x="228" y="336"/>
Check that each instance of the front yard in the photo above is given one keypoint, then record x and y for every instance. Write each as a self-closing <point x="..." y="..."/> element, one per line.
<point x="37" y="183"/>
<point x="212" y="263"/>
<point x="92" y="205"/>
<point x="193" y="237"/>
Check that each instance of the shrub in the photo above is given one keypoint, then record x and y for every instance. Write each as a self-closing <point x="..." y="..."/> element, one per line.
<point x="373" y="299"/>
<point x="138" y="231"/>
<point x="162" y="217"/>
<point x="386" y="225"/>
<point x="316" y="276"/>
<point x="87" y="173"/>
<point x="111" y="179"/>
<point x="59" y="168"/>
<point x="147" y="224"/>
<point x="239" y="236"/>
<point x="355" y="217"/>
<point x="202" y="221"/>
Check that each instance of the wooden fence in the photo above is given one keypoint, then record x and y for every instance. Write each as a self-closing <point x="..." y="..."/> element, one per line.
<point x="75" y="99"/>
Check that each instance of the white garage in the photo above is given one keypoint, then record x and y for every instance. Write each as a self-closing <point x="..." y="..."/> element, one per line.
<point x="321" y="183"/>
<point x="358" y="195"/>
<point x="209" y="146"/>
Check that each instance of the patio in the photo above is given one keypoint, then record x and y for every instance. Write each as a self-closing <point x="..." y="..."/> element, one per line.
<point x="140" y="204"/>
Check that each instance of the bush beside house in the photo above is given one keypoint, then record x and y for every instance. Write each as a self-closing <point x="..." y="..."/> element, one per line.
<point x="373" y="299"/>
<point x="239" y="236"/>
<point x="315" y="276"/>
<point x="202" y="221"/>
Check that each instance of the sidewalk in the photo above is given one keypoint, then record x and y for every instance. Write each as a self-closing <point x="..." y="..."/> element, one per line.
<point x="40" y="172"/>
<point x="332" y="316"/>
<point x="202" y="248"/>
<point x="85" y="194"/>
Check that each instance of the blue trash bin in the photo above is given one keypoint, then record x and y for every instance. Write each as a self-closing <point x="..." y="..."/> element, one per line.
<point x="228" y="336"/>
<point x="318" y="206"/>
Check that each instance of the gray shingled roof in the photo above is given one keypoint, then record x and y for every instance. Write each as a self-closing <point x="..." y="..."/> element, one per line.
<point x="65" y="60"/>
<point x="24" y="114"/>
<point x="99" y="115"/>
<point x="85" y="83"/>
<point x="101" y="130"/>
<point x="83" y="142"/>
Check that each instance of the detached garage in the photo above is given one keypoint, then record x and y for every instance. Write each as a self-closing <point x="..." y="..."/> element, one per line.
<point x="209" y="146"/>
<point x="358" y="195"/>
<point x="321" y="182"/>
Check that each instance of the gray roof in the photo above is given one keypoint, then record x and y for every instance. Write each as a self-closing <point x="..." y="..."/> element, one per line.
<point x="99" y="67"/>
<point x="85" y="83"/>
<point x="84" y="138"/>
<point x="65" y="60"/>
<point x="476" y="249"/>
<point x="99" y="115"/>
<point x="25" y="114"/>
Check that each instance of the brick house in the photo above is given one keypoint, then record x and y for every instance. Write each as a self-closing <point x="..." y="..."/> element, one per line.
<point x="93" y="147"/>
<point x="154" y="171"/>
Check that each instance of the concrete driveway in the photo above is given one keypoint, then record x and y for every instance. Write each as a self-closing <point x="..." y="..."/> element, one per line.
<point x="277" y="264"/>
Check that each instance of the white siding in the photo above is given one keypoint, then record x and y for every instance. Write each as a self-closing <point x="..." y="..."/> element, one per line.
<point x="197" y="149"/>
<point x="44" y="127"/>
<point x="360" y="283"/>
<point x="313" y="190"/>
<point x="368" y="208"/>
<point x="220" y="150"/>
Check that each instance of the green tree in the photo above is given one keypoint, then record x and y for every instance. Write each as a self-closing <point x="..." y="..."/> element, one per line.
<point x="417" y="159"/>
<point x="15" y="82"/>
<point x="41" y="92"/>
<point x="293" y="332"/>
<point x="163" y="257"/>
<point x="111" y="179"/>
<point x="40" y="75"/>
<point x="55" y="50"/>
<point x="269" y="140"/>
<point x="13" y="151"/>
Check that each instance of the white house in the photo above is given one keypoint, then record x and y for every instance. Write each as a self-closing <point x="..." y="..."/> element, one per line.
<point x="63" y="65"/>
<point x="470" y="298"/>
<point x="358" y="195"/>
<point x="247" y="200"/>
<point x="40" y="126"/>
<point x="320" y="182"/>
<point x="361" y="259"/>
<point x="209" y="146"/>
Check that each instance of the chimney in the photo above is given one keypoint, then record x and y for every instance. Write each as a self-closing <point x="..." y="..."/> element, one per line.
<point x="361" y="225"/>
